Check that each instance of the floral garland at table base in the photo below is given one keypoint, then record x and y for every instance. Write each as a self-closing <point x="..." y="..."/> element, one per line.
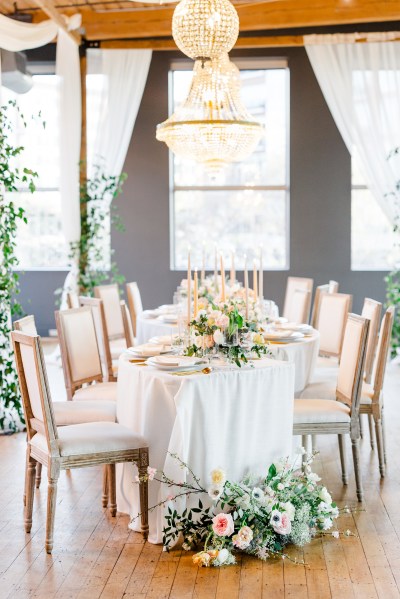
<point x="257" y="516"/>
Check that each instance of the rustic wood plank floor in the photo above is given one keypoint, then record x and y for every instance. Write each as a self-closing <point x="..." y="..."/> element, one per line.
<point x="96" y="556"/>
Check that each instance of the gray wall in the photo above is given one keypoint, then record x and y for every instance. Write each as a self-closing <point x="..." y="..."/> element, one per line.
<point x="320" y="208"/>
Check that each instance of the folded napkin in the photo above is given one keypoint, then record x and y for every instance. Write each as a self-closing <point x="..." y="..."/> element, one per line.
<point x="161" y="340"/>
<point x="149" y="314"/>
<point x="292" y="326"/>
<point x="178" y="361"/>
<point x="146" y="350"/>
<point x="277" y="335"/>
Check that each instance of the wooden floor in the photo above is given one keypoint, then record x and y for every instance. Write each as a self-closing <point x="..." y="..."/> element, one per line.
<point x="96" y="556"/>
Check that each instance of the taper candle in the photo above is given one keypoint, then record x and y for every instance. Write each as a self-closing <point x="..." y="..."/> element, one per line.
<point x="261" y="280"/>
<point x="216" y="270"/>
<point x="255" y="275"/>
<point x="233" y="272"/>
<point x="189" y="288"/>
<point x="195" y="294"/>
<point x="223" y="296"/>
<point x="246" y="286"/>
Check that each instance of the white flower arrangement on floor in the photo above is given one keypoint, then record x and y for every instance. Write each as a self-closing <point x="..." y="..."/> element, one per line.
<point x="259" y="516"/>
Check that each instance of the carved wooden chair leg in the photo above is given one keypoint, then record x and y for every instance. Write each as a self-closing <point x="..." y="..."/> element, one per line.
<point x="379" y="443"/>
<point x="361" y="423"/>
<point x="342" y="452"/>
<point x="112" y="491"/>
<point x="371" y="430"/>
<point x="383" y="434"/>
<point x="104" y="498"/>
<point x="144" y="492"/>
<point x="355" y="446"/>
<point x="26" y="473"/>
<point x="38" y="475"/>
<point x="30" y="493"/>
<point x="51" y="508"/>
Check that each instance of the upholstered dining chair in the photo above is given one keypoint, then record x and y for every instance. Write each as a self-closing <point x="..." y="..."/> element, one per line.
<point x="71" y="446"/>
<point x="134" y="303"/>
<point x="292" y="285"/>
<point x="299" y="309"/>
<point x="331" y="323"/>
<point x="72" y="300"/>
<point x="340" y="416"/>
<point x="68" y="412"/>
<point x="109" y="294"/>
<point x="127" y="322"/>
<point x="373" y="311"/>
<point x="331" y="287"/>
<point x="80" y="356"/>
<point x="100" y="323"/>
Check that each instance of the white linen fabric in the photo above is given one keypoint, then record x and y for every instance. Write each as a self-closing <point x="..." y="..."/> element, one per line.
<point x="303" y="353"/>
<point x="361" y="85"/>
<point x="240" y="420"/>
<point x="16" y="35"/>
<point x="125" y="74"/>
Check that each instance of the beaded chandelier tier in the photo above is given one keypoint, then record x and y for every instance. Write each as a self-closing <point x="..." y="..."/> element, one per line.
<point x="205" y="28"/>
<point x="212" y="126"/>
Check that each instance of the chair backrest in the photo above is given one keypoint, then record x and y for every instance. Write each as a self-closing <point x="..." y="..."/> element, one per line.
<point x="100" y="325"/>
<point x="382" y="352"/>
<point x="293" y="284"/>
<point x="112" y="309"/>
<point x="333" y="287"/>
<point x="26" y="325"/>
<point x="320" y="289"/>
<point x="373" y="311"/>
<point x="79" y="348"/>
<point x="351" y="368"/>
<point x="331" y="323"/>
<point x="134" y="303"/>
<point x="72" y="300"/>
<point x="128" y="328"/>
<point x="299" y="309"/>
<point x="34" y="387"/>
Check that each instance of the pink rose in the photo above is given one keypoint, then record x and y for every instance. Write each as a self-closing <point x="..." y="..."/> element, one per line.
<point x="223" y="525"/>
<point x="280" y="522"/>
<point x="244" y="537"/>
<point x="151" y="472"/>
<point x="222" y="321"/>
<point x="208" y="341"/>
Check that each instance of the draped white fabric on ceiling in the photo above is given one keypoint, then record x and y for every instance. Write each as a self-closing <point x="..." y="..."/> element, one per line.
<point x="125" y="74"/>
<point x="361" y="85"/>
<point x="16" y="36"/>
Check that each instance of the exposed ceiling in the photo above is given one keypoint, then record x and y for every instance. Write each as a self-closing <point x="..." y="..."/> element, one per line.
<point x="150" y="24"/>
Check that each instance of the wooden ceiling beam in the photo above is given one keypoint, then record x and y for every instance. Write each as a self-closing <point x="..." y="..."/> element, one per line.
<point x="256" y="16"/>
<point x="168" y="44"/>
<point x="50" y="10"/>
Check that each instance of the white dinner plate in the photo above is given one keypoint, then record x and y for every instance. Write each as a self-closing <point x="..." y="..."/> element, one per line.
<point x="283" y="338"/>
<point x="292" y="326"/>
<point x="176" y="363"/>
<point x="169" y="318"/>
<point x="148" y="350"/>
<point x="162" y="339"/>
<point x="149" y="314"/>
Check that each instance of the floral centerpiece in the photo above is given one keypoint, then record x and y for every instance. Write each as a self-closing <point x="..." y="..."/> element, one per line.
<point x="226" y="327"/>
<point x="258" y="515"/>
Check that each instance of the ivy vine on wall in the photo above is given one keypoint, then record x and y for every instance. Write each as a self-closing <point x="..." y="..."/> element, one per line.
<point x="11" y="177"/>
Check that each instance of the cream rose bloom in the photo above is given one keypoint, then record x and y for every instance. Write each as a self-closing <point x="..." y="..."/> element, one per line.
<point x="218" y="477"/>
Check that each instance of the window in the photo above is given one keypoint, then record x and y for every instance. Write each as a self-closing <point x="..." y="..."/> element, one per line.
<point x="41" y="243"/>
<point x="372" y="237"/>
<point x="248" y="205"/>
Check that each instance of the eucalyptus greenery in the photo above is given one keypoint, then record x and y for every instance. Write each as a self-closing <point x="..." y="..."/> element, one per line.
<point x="97" y="195"/>
<point x="392" y="280"/>
<point x="11" y="177"/>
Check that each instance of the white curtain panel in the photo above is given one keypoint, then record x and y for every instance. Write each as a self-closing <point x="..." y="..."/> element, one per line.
<point x="361" y="85"/>
<point x="125" y="74"/>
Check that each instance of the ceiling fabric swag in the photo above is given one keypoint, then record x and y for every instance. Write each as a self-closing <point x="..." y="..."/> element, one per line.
<point x="16" y="36"/>
<point x="361" y="85"/>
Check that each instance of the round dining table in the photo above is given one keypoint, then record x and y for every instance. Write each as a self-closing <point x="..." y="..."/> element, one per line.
<point x="240" y="419"/>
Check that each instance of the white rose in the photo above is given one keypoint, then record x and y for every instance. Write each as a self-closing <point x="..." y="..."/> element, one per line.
<point x="215" y="492"/>
<point x="313" y="477"/>
<point x="325" y="495"/>
<point x="218" y="337"/>
<point x="289" y="508"/>
<point x="222" y="557"/>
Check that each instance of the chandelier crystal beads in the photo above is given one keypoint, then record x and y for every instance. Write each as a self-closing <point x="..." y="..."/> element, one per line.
<point x="205" y="28"/>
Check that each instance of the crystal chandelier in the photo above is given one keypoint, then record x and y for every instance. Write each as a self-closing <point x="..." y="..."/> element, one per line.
<point x="205" y="28"/>
<point x="212" y="126"/>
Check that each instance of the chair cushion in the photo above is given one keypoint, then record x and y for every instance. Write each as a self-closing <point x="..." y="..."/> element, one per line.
<point x="100" y="391"/>
<point x="71" y="412"/>
<point x="117" y="346"/>
<point x="309" y="411"/>
<point x="92" y="437"/>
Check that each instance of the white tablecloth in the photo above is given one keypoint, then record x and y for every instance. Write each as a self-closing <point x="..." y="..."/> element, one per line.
<point x="146" y="328"/>
<point x="240" y="420"/>
<point x="303" y="353"/>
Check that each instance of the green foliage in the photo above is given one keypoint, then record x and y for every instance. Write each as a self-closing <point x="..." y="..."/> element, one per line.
<point x="97" y="197"/>
<point x="11" y="177"/>
<point x="392" y="280"/>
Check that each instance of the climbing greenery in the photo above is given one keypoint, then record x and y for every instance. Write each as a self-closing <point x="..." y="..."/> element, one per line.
<point x="11" y="177"/>
<point x="98" y="212"/>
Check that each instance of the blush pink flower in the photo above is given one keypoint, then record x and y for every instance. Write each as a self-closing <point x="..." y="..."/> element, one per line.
<point x="222" y="321"/>
<point x="223" y="525"/>
<point x="151" y="472"/>
<point x="280" y="522"/>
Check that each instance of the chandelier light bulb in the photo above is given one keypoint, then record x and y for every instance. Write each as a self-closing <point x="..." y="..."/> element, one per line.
<point x="205" y="28"/>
